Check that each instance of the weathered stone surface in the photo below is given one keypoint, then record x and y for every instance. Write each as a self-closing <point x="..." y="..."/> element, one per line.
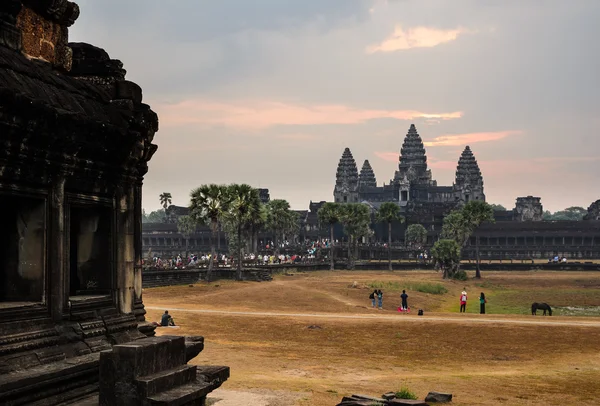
<point x="438" y="397"/>
<point x="529" y="209"/>
<point x="346" y="183"/>
<point x="389" y="395"/>
<point x="406" y="402"/>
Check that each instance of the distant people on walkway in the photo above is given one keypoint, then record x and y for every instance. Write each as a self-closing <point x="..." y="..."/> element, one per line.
<point x="380" y="299"/>
<point x="404" y="298"/>
<point x="166" y="320"/>
<point x="373" y="297"/>
<point x="463" y="301"/>
<point x="482" y="302"/>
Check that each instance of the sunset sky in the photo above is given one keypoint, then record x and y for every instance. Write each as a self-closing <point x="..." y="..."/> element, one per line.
<point x="270" y="92"/>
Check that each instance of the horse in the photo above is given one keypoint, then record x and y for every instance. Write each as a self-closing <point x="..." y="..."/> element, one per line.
<point x="540" y="306"/>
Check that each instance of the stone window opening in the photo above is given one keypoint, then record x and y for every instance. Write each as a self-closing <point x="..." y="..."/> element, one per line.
<point x="89" y="259"/>
<point x="22" y="250"/>
<point x="404" y="195"/>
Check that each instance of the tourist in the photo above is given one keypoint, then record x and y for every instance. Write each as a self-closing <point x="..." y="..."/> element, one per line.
<point x="372" y="296"/>
<point x="463" y="301"/>
<point x="380" y="299"/>
<point x="166" y="320"/>
<point x="404" y="298"/>
<point x="482" y="302"/>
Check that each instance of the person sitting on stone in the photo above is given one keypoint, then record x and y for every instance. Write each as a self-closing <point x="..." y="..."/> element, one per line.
<point x="166" y="320"/>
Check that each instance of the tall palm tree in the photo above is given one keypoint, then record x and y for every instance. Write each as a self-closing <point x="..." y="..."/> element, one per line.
<point x="207" y="206"/>
<point x="244" y="204"/>
<point x="329" y="214"/>
<point x="476" y="212"/>
<point x="165" y="199"/>
<point x="258" y="220"/>
<point x="280" y="220"/>
<point x="356" y="218"/>
<point x="388" y="213"/>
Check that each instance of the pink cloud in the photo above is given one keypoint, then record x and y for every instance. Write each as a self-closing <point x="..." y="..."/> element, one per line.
<point x="464" y="139"/>
<point x="418" y="37"/>
<point x="388" y="156"/>
<point x="257" y="115"/>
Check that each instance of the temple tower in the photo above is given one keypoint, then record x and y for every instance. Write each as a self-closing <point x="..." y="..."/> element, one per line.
<point x="413" y="161"/>
<point x="366" y="179"/>
<point x="529" y="209"/>
<point x="469" y="182"/>
<point x="346" y="182"/>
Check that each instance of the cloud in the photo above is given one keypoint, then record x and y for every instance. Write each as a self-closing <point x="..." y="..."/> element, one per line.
<point x="259" y="115"/>
<point x="388" y="156"/>
<point x="470" y="138"/>
<point x="418" y="37"/>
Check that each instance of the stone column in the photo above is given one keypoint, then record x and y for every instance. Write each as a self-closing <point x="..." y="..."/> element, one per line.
<point x="125" y="247"/>
<point x="56" y="249"/>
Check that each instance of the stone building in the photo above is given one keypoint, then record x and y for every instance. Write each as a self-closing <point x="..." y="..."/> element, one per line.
<point x="76" y="140"/>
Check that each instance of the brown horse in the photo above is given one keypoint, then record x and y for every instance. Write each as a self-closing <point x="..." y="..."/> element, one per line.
<point x="540" y="306"/>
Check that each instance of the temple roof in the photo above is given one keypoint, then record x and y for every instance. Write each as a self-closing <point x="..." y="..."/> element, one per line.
<point x="367" y="176"/>
<point x="467" y="170"/>
<point x="347" y="173"/>
<point x="413" y="161"/>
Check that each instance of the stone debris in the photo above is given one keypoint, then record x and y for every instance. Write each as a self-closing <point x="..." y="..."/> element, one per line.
<point x="438" y="397"/>
<point x="389" y="399"/>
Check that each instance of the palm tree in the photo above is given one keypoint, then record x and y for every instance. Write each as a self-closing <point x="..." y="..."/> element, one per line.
<point x="356" y="218"/>
<point x="244" y="204"/>
<point x="415" y="236"/>
<point x="257" y="222"/>
<point x="165" y="199"/>
<point x="476" y="212"/>
<point x="329" y="214"/>
<point x="280" y="220"/>
<point x="388" y="213"/>
<point x="207" y="206"/>
<point x="186" y="226"/>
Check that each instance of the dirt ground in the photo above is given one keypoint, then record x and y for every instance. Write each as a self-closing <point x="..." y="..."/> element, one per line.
<point x="309" y="339"/>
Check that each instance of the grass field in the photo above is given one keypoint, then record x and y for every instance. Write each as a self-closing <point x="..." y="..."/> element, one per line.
<point x="506" y="357"/>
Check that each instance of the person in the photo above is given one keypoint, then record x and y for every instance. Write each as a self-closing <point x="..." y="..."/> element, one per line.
<point x="404" y="298"/>
<point x="380" y="299"/>
<point x="372" y="297"/>
<point x="482" y="303"/>
<point x="166" y="320"/>
<point x="463" y="301"/>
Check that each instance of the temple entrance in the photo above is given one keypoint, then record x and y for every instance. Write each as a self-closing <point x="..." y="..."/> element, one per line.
<point x="22" y="246"/>
<point x="90" y="262"/>
<point x="404" y="195"/>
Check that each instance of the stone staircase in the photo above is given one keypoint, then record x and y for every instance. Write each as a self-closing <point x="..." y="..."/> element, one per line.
<point x="153" y="371"/>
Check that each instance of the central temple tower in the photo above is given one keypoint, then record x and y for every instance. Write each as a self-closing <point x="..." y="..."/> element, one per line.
<point x="413" y="161"/>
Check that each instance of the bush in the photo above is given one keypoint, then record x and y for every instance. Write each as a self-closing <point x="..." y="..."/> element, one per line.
<point x="385" y="285"/>
<point x="433" y="288"/>
<point x="405" y="393"/>
<point x="460" y="275"/>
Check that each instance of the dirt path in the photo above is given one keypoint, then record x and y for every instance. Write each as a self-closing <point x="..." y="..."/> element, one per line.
<point x="539" y="321"/>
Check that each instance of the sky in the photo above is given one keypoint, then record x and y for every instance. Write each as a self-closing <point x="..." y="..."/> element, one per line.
<point x="270" y="92"/>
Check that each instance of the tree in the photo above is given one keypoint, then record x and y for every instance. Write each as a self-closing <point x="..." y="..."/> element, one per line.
<point x="244" y="202"/>
<point x="415" y="236"/>
<point x="208" y="204"/>
<point x="574" y="213"/>
<point x="475" y="213"/>
<point x="446" y="253"/>
<point x="356" y="218"/>
<point x="157" y="216"/>
<point x="329" y="214"/>
<point x="498" y="207"/>
<point x="165" y="199"/>
<point x="456" y="228"/>
<point x="388" y="213"/>
<point x="186" y="226"/>
<point x="257" y="222"/>
<point x="280" y="220"/>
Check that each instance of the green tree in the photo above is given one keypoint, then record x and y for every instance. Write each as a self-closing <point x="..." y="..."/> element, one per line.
<point x="446" y="253"/>
<point x="244" y="203"/>
<point x="281" y="221"/>
<point x="186" y="226"/>
<point x="415" y="237"/>
<point x="574" y="213"/>
<point x="329" y="214"/>
<point x="208" y="204"/>
<point x="388" y="213"/>
<point x="356" y="218"/>
<point x="498" y="207"/>
<point x="456" y="228"/>
<point x="258" y="221"/>
<point x="165" y="199"/>
<point x="157" y="216"/>
<point x="475" y="213"/>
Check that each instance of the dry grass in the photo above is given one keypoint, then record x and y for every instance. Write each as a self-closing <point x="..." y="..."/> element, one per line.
<point x="487" y="363"/>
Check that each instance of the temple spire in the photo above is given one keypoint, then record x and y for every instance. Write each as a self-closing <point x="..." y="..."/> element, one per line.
<point x="413" y="160"/>
<point x="366" y="179"/>
<point x="346" y="183"/>
<point x="468" y="184"/>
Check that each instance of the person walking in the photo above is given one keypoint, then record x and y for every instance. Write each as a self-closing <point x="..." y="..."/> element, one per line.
<point x="404" y="298"/>
<point x="463" y="301"/>
<point x="380" y="299"/>
<point x="482" y="302"/>
<point x="372" y="296"/>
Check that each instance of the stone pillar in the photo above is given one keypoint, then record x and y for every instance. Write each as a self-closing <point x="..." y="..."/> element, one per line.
<point x="125" y="257"/>
<point x="56" y="248"/>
